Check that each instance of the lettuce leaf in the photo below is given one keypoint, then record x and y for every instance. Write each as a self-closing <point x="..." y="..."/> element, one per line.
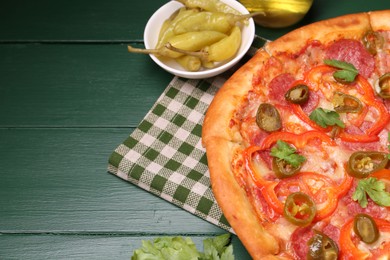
<point x="178" y="248"/>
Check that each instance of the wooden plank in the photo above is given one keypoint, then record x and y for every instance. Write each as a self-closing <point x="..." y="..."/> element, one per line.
<point x="47" y="246"/>
<point x="55" y="180"/>
<point x="74" y="219"/>
<point x="76" y="85"/>
<point x="122" y="20"/>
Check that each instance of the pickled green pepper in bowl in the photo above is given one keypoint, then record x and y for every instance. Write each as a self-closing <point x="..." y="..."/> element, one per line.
<point x="198" y="39"/>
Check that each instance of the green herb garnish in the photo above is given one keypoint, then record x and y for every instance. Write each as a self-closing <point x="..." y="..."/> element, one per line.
<point x="284" y="151"/>
<point x="375" y="189"/>
<point x="178" y="248"/>
<point x="324" y="117"/>
<point x="346" y="73"/>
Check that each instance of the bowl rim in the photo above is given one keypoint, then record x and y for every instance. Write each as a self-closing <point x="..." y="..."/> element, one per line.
<point x="171" y="6"/>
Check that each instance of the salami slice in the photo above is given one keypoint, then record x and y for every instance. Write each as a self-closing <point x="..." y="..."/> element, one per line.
<point x="352" y="51"/>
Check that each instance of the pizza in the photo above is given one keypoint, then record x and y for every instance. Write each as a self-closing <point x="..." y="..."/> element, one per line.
<point x="297" y="142"/>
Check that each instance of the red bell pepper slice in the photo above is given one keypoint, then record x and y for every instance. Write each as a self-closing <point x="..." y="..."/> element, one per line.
<point x="315" y="76"/>
<point x="298" y="140"/>
<point x="382" y="174"/>
<point x="256" y="176"/>
<point x="326" y="197"/>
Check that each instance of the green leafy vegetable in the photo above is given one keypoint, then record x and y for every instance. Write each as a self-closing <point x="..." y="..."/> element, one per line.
<point x="218" y="248"/>
<point x="284" y="151"/>
<point x="346" y="73"/>
<point x="324" y="117"/>
<point x="375" y="189"/>
<point x="178" y="248"/>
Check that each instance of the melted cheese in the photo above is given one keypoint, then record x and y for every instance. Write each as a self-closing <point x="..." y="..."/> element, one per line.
<point x="329" y="162"/>
<point x="283" y="229"/>
<point x="379" y="244"/>
<point x="262" y="168"/>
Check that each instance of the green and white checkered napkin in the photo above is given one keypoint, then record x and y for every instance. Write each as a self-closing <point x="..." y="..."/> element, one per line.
<point x="164" y="155"/>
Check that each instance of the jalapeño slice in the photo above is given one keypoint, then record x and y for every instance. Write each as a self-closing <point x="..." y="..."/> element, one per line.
<point x="283" y="169"/>
<point x="299" y="209"/>
<point x="322" y="247"/>
<point x="268" y="118"/>
<point x="361" y="164"/>
<point x="384" y="86"/>
<point x="344" y="103"/>
<point x="372" y="40"/>
<point x="365" y="228"/>
<point x="298" y="94"/>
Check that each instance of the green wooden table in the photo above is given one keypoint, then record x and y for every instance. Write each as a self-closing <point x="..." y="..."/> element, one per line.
<point x="69" y="94"/>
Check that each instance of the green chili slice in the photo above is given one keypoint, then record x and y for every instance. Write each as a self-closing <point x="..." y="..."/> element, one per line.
<point x="365" y="228"/>
<point x="283" y="169"/>
<point x="344" y="103"/>
<point x="322" y="247"/>
<point x="298" y="94"/>
<point x="268" y="118"/>
<point x="384" y="85"/>
<point x="299" y="209"/>
<point x="372" y="41"/>
<point x="361" y="164"/>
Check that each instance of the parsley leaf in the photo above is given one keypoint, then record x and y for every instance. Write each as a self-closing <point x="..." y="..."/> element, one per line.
<point x="324" y="117"/>
<point x="284" y="151"/>
<point x="341" y="65"/>
<point x="346" y="73"/>
<point x="375" y="189"/>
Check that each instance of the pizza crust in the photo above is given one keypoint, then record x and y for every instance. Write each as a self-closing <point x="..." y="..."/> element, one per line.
<point x="351" y="26"/>
<point x="380" y="20"/>
<point x="229" y="97"/>
<point x="233" y="200"/>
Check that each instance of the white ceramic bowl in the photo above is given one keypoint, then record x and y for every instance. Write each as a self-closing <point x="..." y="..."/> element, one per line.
<point x="152" y="30"/>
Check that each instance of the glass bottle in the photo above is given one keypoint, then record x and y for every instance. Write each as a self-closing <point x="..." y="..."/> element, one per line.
<point x="278" y="13"/>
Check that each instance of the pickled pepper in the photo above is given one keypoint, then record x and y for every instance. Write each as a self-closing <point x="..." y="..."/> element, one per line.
<point x="191" y="41"/>
<point x="209" y="5"/>
<point x="222" y="50"/>
<point x="168" y="32"/>
<point x="189" y="63"/>
<point x="213" y="21"/>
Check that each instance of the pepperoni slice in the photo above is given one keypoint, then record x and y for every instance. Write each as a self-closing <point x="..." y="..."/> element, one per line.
<point x="312" y="102"/>
<point x="354" y="52"/>
<point x="299" y="240"/>
<point x="279" y="86"/>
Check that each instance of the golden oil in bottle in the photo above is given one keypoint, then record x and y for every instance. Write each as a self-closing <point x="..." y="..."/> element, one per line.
<point x="278" y="13"/>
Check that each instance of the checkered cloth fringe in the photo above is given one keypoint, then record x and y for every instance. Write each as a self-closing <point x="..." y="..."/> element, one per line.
<point x="164" y="154"/>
